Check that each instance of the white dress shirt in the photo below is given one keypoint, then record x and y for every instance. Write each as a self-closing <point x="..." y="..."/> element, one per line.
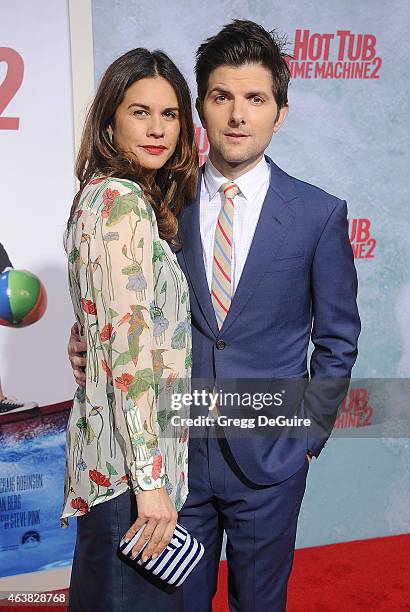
<point x="253" y="187"/>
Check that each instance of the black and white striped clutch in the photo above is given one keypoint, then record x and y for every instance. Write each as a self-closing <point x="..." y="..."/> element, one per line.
<point x="175" y="563"/>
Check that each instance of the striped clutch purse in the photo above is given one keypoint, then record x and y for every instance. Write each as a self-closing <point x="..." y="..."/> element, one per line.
<point x="175" y="563"/>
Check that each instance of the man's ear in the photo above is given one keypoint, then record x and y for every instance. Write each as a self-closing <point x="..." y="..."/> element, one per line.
<point x="198" y="106"/>
<point x="283" y="113"/>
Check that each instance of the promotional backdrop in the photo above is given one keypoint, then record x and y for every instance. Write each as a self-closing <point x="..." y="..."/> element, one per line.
<point x="346" y="132"/>
<point x="37" y="188"/>
<point x="36" y="175"/>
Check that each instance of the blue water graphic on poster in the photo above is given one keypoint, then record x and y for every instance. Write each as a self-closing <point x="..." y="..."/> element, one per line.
<point x="32" y="458"/>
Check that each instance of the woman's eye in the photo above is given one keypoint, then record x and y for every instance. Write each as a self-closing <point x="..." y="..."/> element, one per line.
<point x="140" y="113"/>
<point x="169" y="115"/>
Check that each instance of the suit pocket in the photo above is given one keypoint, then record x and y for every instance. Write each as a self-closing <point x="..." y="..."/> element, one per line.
<point x="288" y="263"/>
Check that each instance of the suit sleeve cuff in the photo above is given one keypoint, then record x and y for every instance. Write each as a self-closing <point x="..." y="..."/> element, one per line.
<point x="316" y="445"/>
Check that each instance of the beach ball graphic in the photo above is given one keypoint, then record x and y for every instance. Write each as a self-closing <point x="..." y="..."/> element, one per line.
<point x="23" y="299"/>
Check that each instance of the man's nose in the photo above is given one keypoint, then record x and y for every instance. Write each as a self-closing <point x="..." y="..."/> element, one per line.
<point x="237" y="114"/>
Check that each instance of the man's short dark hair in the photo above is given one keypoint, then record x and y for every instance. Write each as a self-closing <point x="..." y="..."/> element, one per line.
<point x="244" y="42"/>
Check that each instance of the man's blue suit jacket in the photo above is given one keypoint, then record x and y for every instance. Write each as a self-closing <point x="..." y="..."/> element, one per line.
<point x="299" y="282"/>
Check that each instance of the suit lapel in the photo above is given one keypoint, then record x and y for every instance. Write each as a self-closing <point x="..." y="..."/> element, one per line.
<point x="190" y="235"/>
<point x="274" y="222"/>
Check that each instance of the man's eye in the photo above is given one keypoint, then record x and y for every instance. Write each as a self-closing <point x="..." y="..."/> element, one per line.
<point x="220" y="98"/>
<point x="257" y="99"/>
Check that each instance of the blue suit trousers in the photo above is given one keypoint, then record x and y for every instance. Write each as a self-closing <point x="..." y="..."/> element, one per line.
<point x="260" y="523"/>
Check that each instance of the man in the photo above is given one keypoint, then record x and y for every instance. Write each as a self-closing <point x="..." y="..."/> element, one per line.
<point x="270" y="266"/>
<point x="10" y="404"/>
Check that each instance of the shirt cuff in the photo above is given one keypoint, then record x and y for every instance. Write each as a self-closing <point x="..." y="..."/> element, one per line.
<point x="150" y="476"/>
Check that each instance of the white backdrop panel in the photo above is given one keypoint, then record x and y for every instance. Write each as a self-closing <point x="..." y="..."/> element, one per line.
<point x="37" y="186"/>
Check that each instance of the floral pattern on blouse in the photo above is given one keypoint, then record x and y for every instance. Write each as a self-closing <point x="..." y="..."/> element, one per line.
<point x="131" y="303"/>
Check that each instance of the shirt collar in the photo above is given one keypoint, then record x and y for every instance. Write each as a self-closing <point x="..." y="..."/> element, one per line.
<point x="248" y="183"/>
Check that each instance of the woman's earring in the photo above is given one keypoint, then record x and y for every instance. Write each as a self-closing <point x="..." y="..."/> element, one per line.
<point x="110" y="135"/>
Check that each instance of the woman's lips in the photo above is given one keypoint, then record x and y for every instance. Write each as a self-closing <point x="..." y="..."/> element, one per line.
<point x="154" y="150"/>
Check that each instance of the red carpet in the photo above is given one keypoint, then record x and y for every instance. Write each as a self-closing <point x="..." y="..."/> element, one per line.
<point x="349" y="577"/>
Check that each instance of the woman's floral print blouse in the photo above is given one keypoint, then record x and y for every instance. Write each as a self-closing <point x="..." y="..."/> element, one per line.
<point x="131" y="303"/>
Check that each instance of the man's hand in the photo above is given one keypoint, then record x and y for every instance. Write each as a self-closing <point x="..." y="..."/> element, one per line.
<point x="156" y="510"/>
<point x="76" y="348"/>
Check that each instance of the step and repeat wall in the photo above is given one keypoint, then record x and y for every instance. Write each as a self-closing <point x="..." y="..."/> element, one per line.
<point x="346" y="132"/>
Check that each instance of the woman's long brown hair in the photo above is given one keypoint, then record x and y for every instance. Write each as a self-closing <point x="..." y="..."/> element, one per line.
<point x="176" y="182"/>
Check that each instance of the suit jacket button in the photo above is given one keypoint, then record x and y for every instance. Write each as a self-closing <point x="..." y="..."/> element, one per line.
<point x="220" y="345"/>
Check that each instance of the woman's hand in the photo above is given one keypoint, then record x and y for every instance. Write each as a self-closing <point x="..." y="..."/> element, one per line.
<point x="76" y="348"/>
<point x="156" y="509"/>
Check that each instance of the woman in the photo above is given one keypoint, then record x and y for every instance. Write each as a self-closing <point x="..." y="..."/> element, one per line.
<point x="137" y="166"/>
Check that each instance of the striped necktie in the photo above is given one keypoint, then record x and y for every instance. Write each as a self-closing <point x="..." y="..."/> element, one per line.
<point x="221" y="286"/>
